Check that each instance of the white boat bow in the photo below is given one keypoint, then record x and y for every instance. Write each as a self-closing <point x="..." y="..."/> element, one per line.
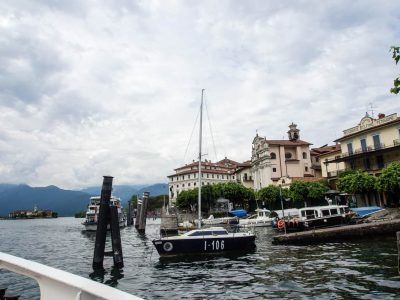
<point x="61" y="285"/>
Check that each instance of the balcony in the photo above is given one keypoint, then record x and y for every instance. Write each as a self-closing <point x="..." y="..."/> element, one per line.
<point x="370" y="150"/>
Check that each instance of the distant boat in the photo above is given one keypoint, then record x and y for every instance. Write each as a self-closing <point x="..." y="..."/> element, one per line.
<point x="220" y="221"/>
<point x="261" y="219"/>
<point x="92" y="213"/>
<point x="207" y="240"/>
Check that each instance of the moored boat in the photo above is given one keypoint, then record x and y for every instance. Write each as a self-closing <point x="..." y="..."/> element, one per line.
<point x="92" y="213"/>
<point x="316" y="217"/>
<point x="205" y="241"/>
<point x="261" y="219"/>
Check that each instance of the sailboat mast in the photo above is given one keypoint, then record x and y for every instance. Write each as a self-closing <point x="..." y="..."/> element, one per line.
<point x="200" y="141"/>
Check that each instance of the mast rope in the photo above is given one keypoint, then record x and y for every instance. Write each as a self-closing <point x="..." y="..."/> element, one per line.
<point x="191" y="135"/>
<point x="211" y="131"/>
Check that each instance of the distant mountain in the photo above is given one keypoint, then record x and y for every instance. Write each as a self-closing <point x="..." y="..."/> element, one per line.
<point x="124" y="192"/>
<point x="65" y="202"/>
<point x="155" y="189"/>
<point x="22" y="196"/>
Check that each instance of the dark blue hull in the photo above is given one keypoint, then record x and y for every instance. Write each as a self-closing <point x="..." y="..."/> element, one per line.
<point x="204" y="245"/>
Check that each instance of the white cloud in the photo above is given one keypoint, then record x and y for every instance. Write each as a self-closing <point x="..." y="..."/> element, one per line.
<point x="95" y="88"/>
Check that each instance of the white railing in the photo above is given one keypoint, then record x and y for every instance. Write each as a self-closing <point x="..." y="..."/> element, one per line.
<point x="61" y="285"/>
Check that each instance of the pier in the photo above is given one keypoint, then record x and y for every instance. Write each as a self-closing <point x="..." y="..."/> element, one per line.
<point x="169" y="223"/>
<point x="333" y="234"/>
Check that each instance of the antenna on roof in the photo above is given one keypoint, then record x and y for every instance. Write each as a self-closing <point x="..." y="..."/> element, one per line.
<point x="371" y="106"/>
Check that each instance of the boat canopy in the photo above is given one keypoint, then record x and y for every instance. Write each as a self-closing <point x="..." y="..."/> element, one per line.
<point x="240" y="213"/>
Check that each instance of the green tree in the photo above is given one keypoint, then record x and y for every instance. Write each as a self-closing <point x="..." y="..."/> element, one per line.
<point x="389" y="180"/>
<point x="357" y="183"/>
<point x="396" y="56"/>
<point x="270" y="195"/>
<point x="316" y="192"/>
<point x="299" y="191"/>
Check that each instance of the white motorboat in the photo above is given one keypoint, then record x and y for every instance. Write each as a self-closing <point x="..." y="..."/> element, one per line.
<point x="261" y="219"/>
<point x="220" y="221"/>
<point x="92" y="213"/>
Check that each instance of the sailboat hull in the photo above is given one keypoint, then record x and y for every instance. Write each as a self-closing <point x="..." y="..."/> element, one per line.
<point x="203" y="245"/>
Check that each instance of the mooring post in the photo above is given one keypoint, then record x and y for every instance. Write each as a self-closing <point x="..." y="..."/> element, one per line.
<point x="116" y="238"/>
<point x="129" y="214"/>
<point x="102" y="222"/>
<point x="138" y="210"/>
<point x="398" y="251"/>
<point x="143" y="212"/>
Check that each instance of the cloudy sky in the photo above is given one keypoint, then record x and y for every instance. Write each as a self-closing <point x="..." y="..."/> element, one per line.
<point x="89" y="88"/>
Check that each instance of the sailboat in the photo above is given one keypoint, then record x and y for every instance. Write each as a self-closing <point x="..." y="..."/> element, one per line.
<point x="206" y="240"/>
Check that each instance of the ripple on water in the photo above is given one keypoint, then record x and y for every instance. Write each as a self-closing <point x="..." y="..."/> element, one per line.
<point x="366" y="269"/>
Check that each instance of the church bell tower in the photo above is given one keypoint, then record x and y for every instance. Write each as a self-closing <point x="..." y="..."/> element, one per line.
<point x="293" y="133"/>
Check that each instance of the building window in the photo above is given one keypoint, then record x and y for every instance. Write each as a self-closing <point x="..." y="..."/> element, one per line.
<point x="317" y="159"/>
<point x="233" y="177"/>
<point x="380" y="162"/>
<point x="306" y="169"/>
<point x="177" y="185"/>
<point x="367" y="164"/>
<point x="288" y="155"/>
<point x="350" y="148"/>
<point x="223" y="177"/>
<point x="202" y="183"/>
<point x="183" y="185"/>
<point x="363" y="143"/>
<point x="189" y="176"/>
<point x="208" y="183"/>
<point x="304" y="155"/>
<point x="183" y="177"/>
<point x="207" y="175"/>
<point x="212" y="175"/>
<point x="172" y="178"/>
<point x="194" y="183"/>
<point x="273" y="155"/>
<point x="273" y="169"/>
<point x="217" y="176"/>
<point x="377" y="141"/>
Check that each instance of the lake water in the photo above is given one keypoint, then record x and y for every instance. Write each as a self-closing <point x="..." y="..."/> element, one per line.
<point x="364" y="269"/>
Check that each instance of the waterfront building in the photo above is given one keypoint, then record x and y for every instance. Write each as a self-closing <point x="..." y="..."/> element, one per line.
<point x="30" y="214"/>
<point x="330" y="171"/>
<point x="278" y="161"/>
<point x="186" y="177"/>
<point x="369" y="146"/>
<point x="244" y="175"/>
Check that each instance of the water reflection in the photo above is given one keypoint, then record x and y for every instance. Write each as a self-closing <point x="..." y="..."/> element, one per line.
<point x="100" y="276"/>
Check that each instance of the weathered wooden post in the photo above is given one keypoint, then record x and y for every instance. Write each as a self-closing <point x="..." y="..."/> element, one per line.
<point x="398" y="251"/>
<point x="102" y="222"/>
<point x="138" y="210"/>
<point x="143" y="212"/>
<point x="116" y="238"/>
<point x="129" y="214"/>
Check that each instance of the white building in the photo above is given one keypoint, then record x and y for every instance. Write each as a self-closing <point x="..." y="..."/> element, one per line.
<point x="280" y="161"/>
<point x="186" y="177"/>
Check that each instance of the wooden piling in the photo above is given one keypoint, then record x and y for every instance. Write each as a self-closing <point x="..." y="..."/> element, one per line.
<point x="102" y="222"/>
<point x="143" y="212"/>
<point x="129" y="217"/>
<point x="398" y="251"/>
<point x="138" y="210"/>
<point x="116" y="238"/>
